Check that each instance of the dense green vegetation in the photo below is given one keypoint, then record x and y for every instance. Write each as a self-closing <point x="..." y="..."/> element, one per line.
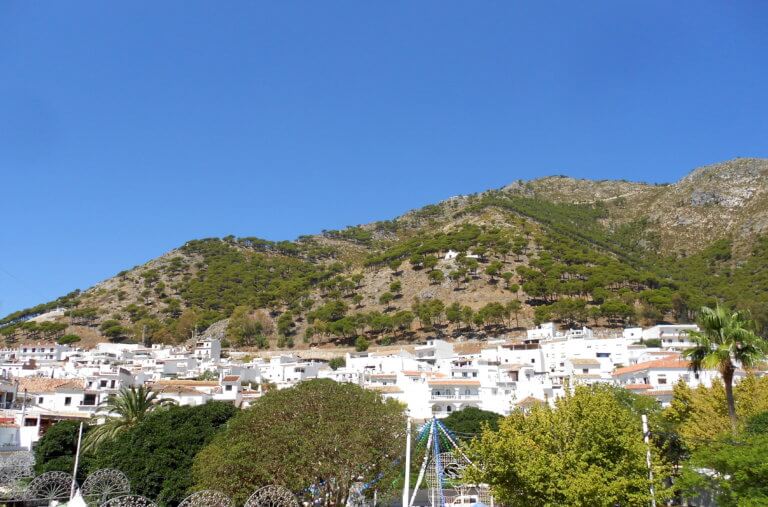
<point x="123" y="412"/>
<point x="319" y="433"/>
<point x="739" y="461"/>
<point x="471" y="421"/>
<point x="55" y="451"/>
<point x="711" y="275"/>
<point x="554" y="261"/>
<point x="586" y="451"/>
<point x="158" y="452"/>
<point x="64" y="302"/>
<point x="233" y="277"/>
<point x="725" y="341"/>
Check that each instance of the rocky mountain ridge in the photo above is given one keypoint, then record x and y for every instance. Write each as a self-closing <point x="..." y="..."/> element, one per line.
<point x="578" y="251"/>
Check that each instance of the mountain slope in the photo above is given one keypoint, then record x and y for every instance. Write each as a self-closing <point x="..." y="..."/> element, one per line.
<point x="606" y="253"/>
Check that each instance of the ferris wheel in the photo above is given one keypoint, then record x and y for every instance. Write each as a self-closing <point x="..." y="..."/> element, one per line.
<point x="443" y="464"/>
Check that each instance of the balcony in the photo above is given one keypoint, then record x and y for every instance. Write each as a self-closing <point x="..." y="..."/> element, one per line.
<point x="447" y="397"/>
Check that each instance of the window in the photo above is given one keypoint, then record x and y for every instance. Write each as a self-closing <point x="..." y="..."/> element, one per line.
<point x="585" y="370"/>
<point x="112" y="384"/>
<point x="533" y="360"/>
<point x="227" y="388"/>
<point x="103" y="383"/>
<point x="662" y="380"/>
<point x="40" y="400"/>
<point x="448" y="408"/>
<point x="474" y="374"/>
<point x="68" y="401"/>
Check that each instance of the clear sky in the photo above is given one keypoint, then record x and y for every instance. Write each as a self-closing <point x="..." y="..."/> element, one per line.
<point x="129" y="128"/>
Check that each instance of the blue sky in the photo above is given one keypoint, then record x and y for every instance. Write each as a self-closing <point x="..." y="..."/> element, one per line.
<point x="128" y="129"/>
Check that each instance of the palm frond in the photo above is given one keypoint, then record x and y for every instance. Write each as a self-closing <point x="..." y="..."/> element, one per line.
<point x="122" y="411"/>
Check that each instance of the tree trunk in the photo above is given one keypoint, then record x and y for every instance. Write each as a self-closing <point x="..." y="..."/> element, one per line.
<point x="727" y="372"/>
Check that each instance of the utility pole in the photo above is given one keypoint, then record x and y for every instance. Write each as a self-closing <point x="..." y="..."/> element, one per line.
<point x="407" y="485"/>
<point x="23" y="409"/>
<point x="646" y="435"/>
<point x="77" y="462"/>
<point x="14" y="402"/>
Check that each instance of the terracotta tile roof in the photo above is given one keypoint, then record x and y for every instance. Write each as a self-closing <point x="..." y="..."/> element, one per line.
<point x="454" y="382"/>
<point x="387" y="389"/>
<point x="581" y="361"/>
<point x="587" y="376"/>
<point x="637" y="387"/>
<point x="416" y="373"/>
<point x="658" y="392"/>
<point x="49" y="385"/>
<point x="190" y="383"/>
<point x="664" y="363"/>
<point x="469" y="347"/>
<point x="529" y="401"/>
<point x="231" y="378"/>
<point x="175" y="389"/>
<point x="56" y="415"/>
<point x="383" y="375"/>
<point x="513" y="367"/>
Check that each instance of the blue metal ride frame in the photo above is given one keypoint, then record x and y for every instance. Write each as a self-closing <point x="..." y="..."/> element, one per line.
<point x="438" y="465"/>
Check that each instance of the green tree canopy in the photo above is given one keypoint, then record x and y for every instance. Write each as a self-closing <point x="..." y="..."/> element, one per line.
<point x="587" y="451"/>
<point x="55" y="451"/>
<point x="123" y="411"/>
<point x="471" y="421"/>
<point x="725" y="341"/>
<point x="69" y="339"/>
<point x="701" y="415"/>
<point x="733" y="468"/>
<point x="157" y="453"/>
<point x="319" y="433"/>
<point x="337" y="362"/>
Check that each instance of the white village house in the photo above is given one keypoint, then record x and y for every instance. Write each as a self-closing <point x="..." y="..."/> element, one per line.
<point x="42" y="384"/>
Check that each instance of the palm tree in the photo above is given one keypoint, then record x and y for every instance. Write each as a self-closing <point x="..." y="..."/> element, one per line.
<point x="123" y="411"/>
<point x="726" y="340"/>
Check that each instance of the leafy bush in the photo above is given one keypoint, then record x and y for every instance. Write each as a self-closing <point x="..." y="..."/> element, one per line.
<point x="69" y="339"/>
<point x="318" y="433"/>
<point x="157" y="454"/>
<point x="55" y="451"/>
<point x="361" y="344"/>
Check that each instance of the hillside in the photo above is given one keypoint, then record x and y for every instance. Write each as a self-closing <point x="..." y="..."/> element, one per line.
<point x="603" y="253"/>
